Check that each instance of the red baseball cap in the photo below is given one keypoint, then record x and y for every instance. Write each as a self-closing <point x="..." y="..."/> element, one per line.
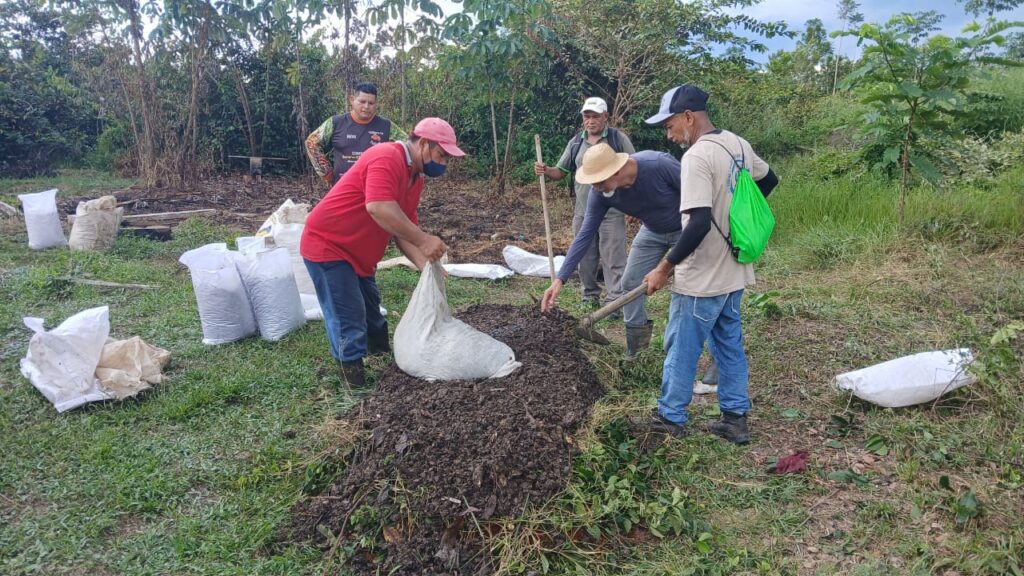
<point x="437" y="130"/>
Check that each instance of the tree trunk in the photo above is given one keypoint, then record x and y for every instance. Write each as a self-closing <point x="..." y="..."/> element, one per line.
<point x="243" y="95"/>
<point x="148" y="150"/>
<point x="509" y="136"/>
<point x="839" y="47"/>
<point x="494" y="130"/>
<point x="905" y="179"/>
<point x="301" y="124"/>
<point x="401" y="56"/>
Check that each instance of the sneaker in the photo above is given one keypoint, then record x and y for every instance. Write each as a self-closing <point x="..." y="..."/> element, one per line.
<point x="732" y="427"/>
<point x="658" y="424"/>
<point x="699" y="387"/>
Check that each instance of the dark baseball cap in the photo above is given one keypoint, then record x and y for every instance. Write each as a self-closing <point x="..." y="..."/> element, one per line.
<point x="680" y="99"/>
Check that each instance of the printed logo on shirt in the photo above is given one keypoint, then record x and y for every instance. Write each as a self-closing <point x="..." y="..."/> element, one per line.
<point x="351" y="136"/>
<point x="376" y="137"/>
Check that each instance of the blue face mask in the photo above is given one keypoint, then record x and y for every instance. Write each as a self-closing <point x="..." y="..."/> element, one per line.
<point x="434" y="169"/>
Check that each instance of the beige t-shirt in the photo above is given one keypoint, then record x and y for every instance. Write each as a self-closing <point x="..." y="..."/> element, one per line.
<point x="708" y="176"/>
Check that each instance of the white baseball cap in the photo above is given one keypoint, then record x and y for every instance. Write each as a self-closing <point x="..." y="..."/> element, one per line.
<point x="595" y="104"/>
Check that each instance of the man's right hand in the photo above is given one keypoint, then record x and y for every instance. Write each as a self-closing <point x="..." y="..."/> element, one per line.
<point x="540" y="168"/>
<point x="550" y="295"/>
<point x="432" y="247"/>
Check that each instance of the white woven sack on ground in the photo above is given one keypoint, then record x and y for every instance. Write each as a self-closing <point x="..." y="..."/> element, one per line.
<point x="268" y="279"/>
<point x="529" y="264"/>
<point x="224" y="308"/>
<point x="61" y="363"/>
<point x="96" y="224"/>
<point x="486" y="271"/>
<point x="910" y="380"/>
<point x="431" y="344"/>
<point x="42" y="221"/>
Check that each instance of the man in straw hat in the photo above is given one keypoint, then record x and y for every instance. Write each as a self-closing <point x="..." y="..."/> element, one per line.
<point x="708" y="280"/>
<point x="609" y="251"/>
<point x="644" y="185"/>
<point x="348" y="231"/>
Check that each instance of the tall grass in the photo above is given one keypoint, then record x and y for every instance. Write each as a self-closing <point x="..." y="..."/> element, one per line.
<point x="824" y="220"/>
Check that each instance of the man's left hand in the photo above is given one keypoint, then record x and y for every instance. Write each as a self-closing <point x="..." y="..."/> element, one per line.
<point x="658" y="278"/>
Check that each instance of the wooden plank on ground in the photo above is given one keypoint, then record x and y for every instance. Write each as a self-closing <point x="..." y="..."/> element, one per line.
<point x="105" y="284"/>
<point x="167" y="216"/>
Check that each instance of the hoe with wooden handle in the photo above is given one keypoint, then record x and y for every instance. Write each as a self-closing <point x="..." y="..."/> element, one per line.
<point x="586" y="326"/>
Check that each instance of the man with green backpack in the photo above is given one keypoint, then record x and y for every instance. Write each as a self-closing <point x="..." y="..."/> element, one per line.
<point x="723" y="186"/>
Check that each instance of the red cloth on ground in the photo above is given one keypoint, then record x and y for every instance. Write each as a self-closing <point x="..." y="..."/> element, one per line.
<point x="792" y="464"/>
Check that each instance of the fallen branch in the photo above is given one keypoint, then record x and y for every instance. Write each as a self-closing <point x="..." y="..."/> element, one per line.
<point x="104" y="284"/>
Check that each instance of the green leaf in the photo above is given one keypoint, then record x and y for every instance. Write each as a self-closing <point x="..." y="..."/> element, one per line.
<point x="967" y="508"/>
<point x="834" y="444"/>
<point x="944" y="482"/>
<point x="891" y="155"/>
<point x="926" y="168"/>
<point x="791" y="413"/>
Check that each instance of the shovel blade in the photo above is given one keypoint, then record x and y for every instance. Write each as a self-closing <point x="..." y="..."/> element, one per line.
<point x="588" y="332"/>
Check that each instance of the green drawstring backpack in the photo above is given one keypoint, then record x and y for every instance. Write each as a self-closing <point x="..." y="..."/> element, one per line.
<point x="750" y="219"/>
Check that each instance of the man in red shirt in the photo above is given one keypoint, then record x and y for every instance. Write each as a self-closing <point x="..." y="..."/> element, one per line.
<point x="348" y="231"/>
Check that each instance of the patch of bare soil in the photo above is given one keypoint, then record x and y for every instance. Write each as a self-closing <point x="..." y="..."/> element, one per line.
<point x="475" y="222"/>
<point x="443" y="456"/>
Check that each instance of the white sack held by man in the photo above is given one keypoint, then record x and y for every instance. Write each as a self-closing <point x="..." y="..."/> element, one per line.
<point x="431" y="344"/>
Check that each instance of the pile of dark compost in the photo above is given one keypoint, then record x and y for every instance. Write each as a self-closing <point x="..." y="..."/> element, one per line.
<point x="444" y="458"/>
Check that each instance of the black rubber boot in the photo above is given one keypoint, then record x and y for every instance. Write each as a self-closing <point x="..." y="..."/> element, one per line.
<point x="732" y="427"/>
<point x="378" y="343"/>
<point x="638" y="338"/>
<point x="353" y="373"/>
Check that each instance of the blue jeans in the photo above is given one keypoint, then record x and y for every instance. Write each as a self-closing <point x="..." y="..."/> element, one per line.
<point x="351" y="307"/>
<point x="692" y="321"/>
<point x="647" y="250"/>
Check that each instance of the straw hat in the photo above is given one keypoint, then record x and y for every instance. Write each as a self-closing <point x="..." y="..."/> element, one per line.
<point x="599" y="163"/>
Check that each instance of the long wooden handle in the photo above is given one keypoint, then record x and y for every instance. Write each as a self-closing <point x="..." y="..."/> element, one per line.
<point x="544" y="203"/>
<point x="614" y="305"/>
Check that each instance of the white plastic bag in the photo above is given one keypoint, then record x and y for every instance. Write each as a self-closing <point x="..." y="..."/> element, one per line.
<point x="248" y="245"/>
<point x="909" y="380"/>
<point x="96" y="224"/>
<point x="488" y="271"/>
<point x="288" y="236"/>
<point x="287" y="213"/>
<point x="529" y="264"/>
<point x="224" y="309"/>
<point x="61" y="363"/>
<point x="432" y="345"/>
<point x="267" y="277"/>
<point x="42" y="220"/>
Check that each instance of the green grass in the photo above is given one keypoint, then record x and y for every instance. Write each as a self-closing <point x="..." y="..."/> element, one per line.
<point x="70" y="182"/>
<point x="198" y="475"/>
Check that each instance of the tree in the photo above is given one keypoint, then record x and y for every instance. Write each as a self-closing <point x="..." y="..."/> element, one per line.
<point x="808" y="62"/>
<point x="501" y="57"/>
<point x="990" y="7"/>
<point x="406" y="31"/>
<point x="916" y="86"/>
<point x="849" y="13"/>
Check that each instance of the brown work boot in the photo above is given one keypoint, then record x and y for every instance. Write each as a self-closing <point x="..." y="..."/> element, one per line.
<point x="353" y="373"/>
<point x="732" y="427"/>
<point x="638" y="338"/>
<point x="658" y="424"/>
